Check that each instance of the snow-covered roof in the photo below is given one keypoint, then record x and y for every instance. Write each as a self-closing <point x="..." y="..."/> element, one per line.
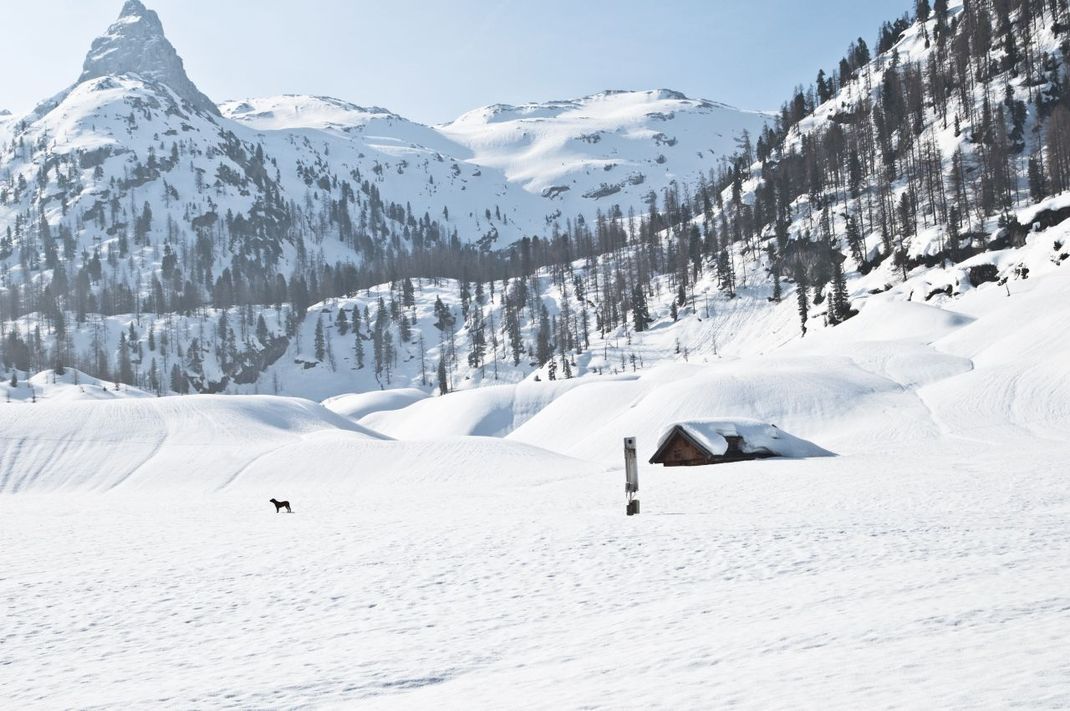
<point x="756" y="438"/>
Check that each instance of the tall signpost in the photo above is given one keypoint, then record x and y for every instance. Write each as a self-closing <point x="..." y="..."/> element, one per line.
<point x="631" y="473"/>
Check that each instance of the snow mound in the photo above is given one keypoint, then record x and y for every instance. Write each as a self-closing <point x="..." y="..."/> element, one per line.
<point x="492" y="411"/>
<point x="199" y="443"/>
<point x="827" y="399"/>
<point x="216" y="443"/>
<point x="756" y="438"/>
<point x="70" y="386"/>
<point x="356" y="406"/>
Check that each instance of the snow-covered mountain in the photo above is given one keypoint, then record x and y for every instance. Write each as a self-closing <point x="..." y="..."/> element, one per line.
<point x="580" y="156"/>
<point x="610" y="147"/>
<point x="492" y="176"/>
<point x="245" y="237"/>
<point x="136" y="44"/>
<point x="293" y="111"/>
<point x="131" y="191"/>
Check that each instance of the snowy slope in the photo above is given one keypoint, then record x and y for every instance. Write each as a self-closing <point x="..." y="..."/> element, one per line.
<point x="208" y="444"/>
<point x="491" y="411"/>
<point x="162" y="444"/>
<point x="576" y="157"/>
<point x="924" y="566"/>
<point x="294" y="111"/>
<point x="7" y="119"/>
<point x="71" y="386"/>
<point x="358" y="405"/>
<point x="612" y="147"/>
<point x="986" y="365"/>
<point x="862" y="386"/>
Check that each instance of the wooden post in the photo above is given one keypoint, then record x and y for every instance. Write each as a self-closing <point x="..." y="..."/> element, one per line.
<point x="631" y="473"/>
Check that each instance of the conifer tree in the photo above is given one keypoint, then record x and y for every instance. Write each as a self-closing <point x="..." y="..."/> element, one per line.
<point x="178" y="380"/>
<point x="922" y="10"/>
<point x="443" y="383"/>
<point x="320" y="343"/>
<point x="953" y="233"/>
<point x="800" y="297"/>
<point x="194" y="361"/>
<point x="854" y="240"/>
<point x="388" y="355"/>
<point x="544" y="348"/>
<point x="444" y="318"/>
<point x="408" y="294"/>
<point x="640" y="313"/>
<point x="358" y="348"/>
<point x="355" y="325"/>
<point x="1038" y="188"/>
<point x="839" y="303"/>
<point x="512" y="330"/>
<point x="477" y="336"/>
<point x="726" y="276"/>
<point x="126" y="370"/>
<point x="261" y="330"/>
<point x="379" y="335"/>
<point x="940" y="12"/>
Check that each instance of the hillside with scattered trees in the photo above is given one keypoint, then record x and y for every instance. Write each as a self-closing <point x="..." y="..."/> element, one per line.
<point x="946" y="140"/>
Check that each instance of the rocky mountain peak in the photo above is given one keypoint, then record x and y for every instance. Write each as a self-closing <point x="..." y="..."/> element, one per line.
<point x="135" y="44"/>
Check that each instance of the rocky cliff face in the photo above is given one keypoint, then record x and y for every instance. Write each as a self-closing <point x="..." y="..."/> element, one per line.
<point x="135" y="44"/>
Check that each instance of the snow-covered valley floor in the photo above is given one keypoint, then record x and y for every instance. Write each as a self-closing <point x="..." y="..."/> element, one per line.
<point x="926" y="566"/>
<point x="931" y="581"/>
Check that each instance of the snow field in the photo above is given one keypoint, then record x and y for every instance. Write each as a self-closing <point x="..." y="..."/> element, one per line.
<point x="925" y="580"/>
<point x="926" y="566"/>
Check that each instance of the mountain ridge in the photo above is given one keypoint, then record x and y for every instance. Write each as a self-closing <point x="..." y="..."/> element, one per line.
<point x="404" y="185"/>
<point x="568" y="174"/>
<point x="135" y="44"/>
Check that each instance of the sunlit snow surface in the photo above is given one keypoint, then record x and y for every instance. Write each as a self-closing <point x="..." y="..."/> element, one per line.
<point x="471" y="551"/>
<point x="926" y="566"/>
<point x="933" y="579"/>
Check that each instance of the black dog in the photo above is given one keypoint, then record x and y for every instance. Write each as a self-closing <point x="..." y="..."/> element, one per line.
<point x="280" y="505"/>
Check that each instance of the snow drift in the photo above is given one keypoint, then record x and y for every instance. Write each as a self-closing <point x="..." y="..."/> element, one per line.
<point x="208" y="444"/>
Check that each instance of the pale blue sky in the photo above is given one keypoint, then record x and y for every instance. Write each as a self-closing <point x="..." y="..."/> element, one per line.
<point x="433" y="60"/>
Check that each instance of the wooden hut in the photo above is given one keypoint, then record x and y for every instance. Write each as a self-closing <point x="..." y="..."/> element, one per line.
<point x="702" y="442"/>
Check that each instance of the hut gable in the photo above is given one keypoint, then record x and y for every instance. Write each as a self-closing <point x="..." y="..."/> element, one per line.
<point x="701" y="442"/>
<point x="682" y="451"/>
